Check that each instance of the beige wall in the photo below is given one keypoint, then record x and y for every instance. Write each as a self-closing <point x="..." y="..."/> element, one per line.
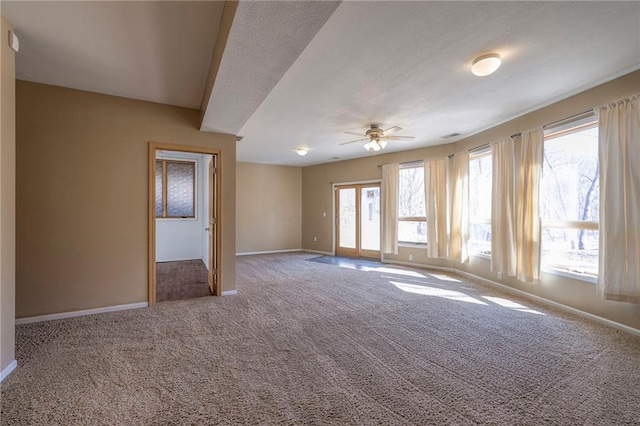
<point x="268" y="213"/>
<point x="7" y="199"/>
<point x="316" y="187"/>
<point x="82" y="189"/>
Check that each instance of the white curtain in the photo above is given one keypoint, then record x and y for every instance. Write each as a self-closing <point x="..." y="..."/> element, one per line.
<point x="503" y="214"/>
<point x="619" y="161"/>
<point x="459" y="207"/>
<point x="528" y="219"/>
<point x="435" y="187"/>
<point x="390" y="183"/>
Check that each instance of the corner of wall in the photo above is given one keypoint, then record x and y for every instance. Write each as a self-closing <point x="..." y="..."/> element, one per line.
<point x="7" y="201"/>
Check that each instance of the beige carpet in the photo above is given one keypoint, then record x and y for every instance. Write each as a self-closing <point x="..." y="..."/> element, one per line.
<point x="311" y="343"/>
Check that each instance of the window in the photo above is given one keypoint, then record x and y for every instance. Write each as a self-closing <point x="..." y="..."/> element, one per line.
<point x="480" y="183"/>
<point x="412" y="217"/>
<point x="569" y="198"/>
<point x="175" y="189"/>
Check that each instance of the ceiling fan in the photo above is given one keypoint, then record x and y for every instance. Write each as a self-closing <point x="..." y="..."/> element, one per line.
<point x="377" y="138"/>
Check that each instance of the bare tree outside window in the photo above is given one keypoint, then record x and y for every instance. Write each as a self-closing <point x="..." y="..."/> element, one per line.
<point x="569" y="201"/>
<point x="480" y="181"/>
<point x="412" y="222"/>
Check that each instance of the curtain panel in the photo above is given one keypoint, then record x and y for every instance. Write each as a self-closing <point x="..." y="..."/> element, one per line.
<point x="503" y="208"/>
<point x="619" y="160"/>
<point x="390" y="186"/>
<point x="435" y="186"/>
<point x="528" y="209"/>
<point x="459" y="207"/>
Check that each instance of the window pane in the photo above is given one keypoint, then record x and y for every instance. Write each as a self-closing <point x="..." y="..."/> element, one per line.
<point x="158" y="188"/>
<point x="411" y="196"/>
<point x="347" y="212"/>
<point x="480" y="187"/>
<point x="570" y="192"/>
<point x="570" y="179"/>
<point x="370" y="218"/>
<point x="412" y="232"/>
<point x="480" y="184"/>
<point x="479" y="238"/>
<point x="180" y="189"/>
<point x="573" y="249"/>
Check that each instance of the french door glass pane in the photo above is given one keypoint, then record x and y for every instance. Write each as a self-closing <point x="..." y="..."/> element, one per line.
<point x="370" y="218"/>
<point x="347" y="212"/>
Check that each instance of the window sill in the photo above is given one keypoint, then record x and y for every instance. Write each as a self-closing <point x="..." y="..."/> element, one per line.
<point x="413" y="245"/>
<point x="593" y="279"/>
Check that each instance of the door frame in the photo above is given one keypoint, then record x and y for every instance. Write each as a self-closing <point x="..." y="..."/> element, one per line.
<point x="334" y="219"/>
<point x="151" y="270"/>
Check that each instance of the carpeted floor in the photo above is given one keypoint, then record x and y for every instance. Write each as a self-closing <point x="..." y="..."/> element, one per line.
<point x="179" y="280"/>
<point x="313" y="343"/>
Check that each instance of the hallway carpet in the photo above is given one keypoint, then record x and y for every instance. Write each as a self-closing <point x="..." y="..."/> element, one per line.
<point x="313" y="343"/>
<point x="179" y="280"/>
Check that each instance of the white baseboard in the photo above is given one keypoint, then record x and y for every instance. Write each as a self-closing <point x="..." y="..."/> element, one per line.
<point x="525" y="294"/>
<point x="62" y="315"/>
<point x="326" y="253"/>
<point x="230" y="292"/>
<point x="249" y="253"/>
<point x="12" y="366"/>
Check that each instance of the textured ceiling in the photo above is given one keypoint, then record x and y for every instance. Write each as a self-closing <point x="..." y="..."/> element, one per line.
<point x="408" y="64"/>
<point x="299" y="74"/>
<point x="154" y="51"/>
<point x="265" y="39"/>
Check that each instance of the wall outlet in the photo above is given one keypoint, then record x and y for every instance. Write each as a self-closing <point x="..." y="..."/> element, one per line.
<point x="315" y="239"/>
<point x="499" y="275"/>
<point x="324" y="214"/>
<point x="410" y="257"/>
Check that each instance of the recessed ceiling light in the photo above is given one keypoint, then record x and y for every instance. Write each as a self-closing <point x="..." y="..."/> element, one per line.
<point x="302" y="151"/>
<point x="486" y="64"/>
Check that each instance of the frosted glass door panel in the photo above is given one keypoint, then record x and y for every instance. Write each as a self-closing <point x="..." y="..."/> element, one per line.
<point x="370" y="218"/>
<point x="159" y="188"/>
<point x="180" y="189"/>
<point x="347" y="212"/>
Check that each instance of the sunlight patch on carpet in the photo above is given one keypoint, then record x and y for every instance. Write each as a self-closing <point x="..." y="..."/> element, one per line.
<point x="510" y="304"/>
<point x="437" y="292"/>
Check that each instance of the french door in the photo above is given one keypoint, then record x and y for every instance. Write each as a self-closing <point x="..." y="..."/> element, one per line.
<point x="358" y="220"/>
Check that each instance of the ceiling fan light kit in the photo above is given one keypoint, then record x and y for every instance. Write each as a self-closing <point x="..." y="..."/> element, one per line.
<point x="376" y="138"/>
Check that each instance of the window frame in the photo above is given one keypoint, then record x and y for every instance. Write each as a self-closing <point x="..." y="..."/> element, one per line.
<point x="412" y="165"/>
<point x="165" y="161"/>
<point x="579" y="124"/>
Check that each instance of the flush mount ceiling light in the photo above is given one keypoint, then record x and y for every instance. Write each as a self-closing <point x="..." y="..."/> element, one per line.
<point x="486" y="64"/>
<point x="302" y="151"/>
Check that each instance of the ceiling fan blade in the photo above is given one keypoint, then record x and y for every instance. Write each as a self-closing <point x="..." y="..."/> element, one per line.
<point x="399" y="138"/>
<point x="357" y="140"/>
<point x="353" y="133"/>
<point x="392" y="129"/>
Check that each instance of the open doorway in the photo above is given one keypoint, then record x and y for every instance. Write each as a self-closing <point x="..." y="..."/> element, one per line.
<point x="184" y="248"/>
